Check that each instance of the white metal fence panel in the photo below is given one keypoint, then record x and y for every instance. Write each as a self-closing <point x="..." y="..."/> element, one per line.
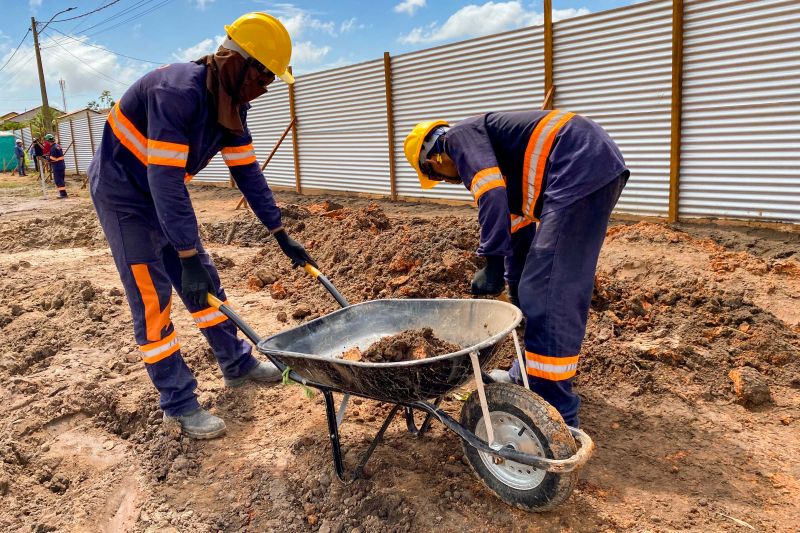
<point x="65" y="140"/>
<point x="342" y="129"/>
<point x="267" y="120"/>
<point x="740" y="153"/>
<point x="615" y="68"/>
<point x="82" y="146"/>
<point x="451" y="83"/>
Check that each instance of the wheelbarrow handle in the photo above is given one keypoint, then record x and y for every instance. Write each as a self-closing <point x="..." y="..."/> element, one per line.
<point x="223" y="308"/>
<point x="319" y="276"/>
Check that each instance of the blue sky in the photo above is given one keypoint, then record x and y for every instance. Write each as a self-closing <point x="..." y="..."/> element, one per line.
<point x="325" y="35"/>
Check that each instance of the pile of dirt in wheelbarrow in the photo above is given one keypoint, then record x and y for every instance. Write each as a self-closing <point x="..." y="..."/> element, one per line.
<point x="408" y="345"/>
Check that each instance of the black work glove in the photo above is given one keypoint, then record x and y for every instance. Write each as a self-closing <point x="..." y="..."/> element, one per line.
<point x="513" y="293"/>
<point x="489" y="280"/>
<point x="196" y="282"/>
<point x="293" y="249"/>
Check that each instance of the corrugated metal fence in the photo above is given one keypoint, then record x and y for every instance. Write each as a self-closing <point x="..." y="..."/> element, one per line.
<point x="740" y="136"/>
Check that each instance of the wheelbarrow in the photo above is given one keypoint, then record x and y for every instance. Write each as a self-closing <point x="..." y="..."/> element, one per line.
<point x="526" y="454"/>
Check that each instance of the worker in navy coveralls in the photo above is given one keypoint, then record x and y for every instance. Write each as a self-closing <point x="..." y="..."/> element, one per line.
<point x="545" y="183"/>
<point x="56" y="158"/>
<point x="164" y="130"/>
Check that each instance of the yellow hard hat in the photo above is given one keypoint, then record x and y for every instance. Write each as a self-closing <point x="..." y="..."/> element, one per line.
<point x="266" y="40"/>
<point x="413" y="146"/>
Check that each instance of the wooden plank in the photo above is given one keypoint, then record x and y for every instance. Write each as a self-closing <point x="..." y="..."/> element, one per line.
<point x="548" y="54"/>
<point x="387" y="79"/>
<point x="676" y="109"/>
<point x="295" y="143"/>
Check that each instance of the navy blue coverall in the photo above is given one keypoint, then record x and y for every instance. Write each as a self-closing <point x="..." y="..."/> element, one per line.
<point x="59" y="168"/>
<point x="163" y="131"/>
<point x="564" y="172"/>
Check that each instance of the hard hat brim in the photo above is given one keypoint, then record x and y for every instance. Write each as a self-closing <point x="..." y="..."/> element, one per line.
<point x="424" y="181"/>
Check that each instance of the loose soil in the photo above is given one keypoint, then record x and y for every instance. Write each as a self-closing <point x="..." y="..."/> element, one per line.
<point x="689" y="377"/>
<point x="408" y="345"/>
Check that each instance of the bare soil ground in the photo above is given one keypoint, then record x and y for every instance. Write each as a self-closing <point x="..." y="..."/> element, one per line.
<point x="676" y="309"/>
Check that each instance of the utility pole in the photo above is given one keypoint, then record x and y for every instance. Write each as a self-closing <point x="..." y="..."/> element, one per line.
<point x="42" y="87"/>
<point x="63" y="85"/>
<point x="45" y="106"/>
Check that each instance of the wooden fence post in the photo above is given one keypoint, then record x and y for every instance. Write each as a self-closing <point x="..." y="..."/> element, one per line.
<point x="295" y="143"/>
<point x="387" y="78"/>
<point x="548" y="55"/>
<point x="74" y="151"/>
<point x="676" y="109"/>
<point x="91" y="136"/>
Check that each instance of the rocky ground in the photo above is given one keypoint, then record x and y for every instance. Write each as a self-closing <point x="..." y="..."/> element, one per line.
<point x="690" y="378"/>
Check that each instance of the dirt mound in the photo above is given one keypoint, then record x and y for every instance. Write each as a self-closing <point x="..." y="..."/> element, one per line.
<point x="74" y="228"/>
<point x="408" y="345"/>
<point x="367" y="254"/>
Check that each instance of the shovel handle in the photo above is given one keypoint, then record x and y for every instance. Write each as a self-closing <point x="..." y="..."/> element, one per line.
<point x="319" y="276"/>
<point x="223" y="308"/>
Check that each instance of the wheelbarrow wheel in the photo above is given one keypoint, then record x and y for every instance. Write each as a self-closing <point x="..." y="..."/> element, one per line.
<point x="521" y="420"/>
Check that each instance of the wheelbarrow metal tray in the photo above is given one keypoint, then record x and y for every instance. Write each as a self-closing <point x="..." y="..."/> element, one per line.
<point x="313" y="350"/>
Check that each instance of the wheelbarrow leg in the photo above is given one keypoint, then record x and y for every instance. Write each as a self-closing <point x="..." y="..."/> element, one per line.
<point x="412" y="426"/>
<point x="333" y="433"/>
<point x="374" y="444"/>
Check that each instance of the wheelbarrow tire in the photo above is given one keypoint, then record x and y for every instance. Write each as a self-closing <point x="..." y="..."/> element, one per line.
<point x="554" y="440"/>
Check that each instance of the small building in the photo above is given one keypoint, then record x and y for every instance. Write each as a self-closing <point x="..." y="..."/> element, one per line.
<point x="81" y="114"/>
<point x="27" y="116"/>
<point x="8" y="117"/>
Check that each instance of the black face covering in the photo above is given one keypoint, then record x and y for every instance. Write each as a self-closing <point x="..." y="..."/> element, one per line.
<point x="233" y="81"/>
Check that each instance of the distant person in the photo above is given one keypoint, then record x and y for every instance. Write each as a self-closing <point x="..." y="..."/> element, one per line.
<point x="36" y="152"/>
<point x="48" y="142"/>
<point x="19" y="153"/>
<point x="56" y="159"/>
<point x="165" y="129"/>
<point x="554" y="168"/>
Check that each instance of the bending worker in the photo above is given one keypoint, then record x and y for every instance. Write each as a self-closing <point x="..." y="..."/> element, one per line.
<point x="552" y="167"/>
<point x="56" y="158"/>
<point x="165" y="129"/>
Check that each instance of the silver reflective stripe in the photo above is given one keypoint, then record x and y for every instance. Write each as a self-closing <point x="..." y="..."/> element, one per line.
<point x="126" y="132"/>
<point x="146" y="354"/>
<point x="168" y="154"/>
<point x="555" y="369"/>
<point x="476" y="185"/>
<point x="535" y="154"/>
<point x="208" y="318"/>
<point x="236" y="156"/>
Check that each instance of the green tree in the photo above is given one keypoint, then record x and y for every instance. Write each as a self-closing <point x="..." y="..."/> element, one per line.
<point x="103" y="103"/>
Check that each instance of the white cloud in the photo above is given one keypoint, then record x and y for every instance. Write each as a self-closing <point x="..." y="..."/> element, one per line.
<point x="33" y="4"/>
<point x="198" y="50"/>
<point x="202" y="4"/>
<point x="409" y="6"/>
<point x="298" y="21"/>
<point x="86" y="70"/>
<point x="476" y="20"/>
<point x="306" y="53"/>
<point x="349" y="25"/>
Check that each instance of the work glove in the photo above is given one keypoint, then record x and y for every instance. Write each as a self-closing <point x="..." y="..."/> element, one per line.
<point x="513" y="293"/>
<point x="293" y="249"/>
<point x="196" y="282"/>
<point x="489" y="280"/>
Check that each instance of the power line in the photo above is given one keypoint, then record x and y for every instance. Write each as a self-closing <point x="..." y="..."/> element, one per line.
<point x="115" y="16"/>
<point x="138" y="15"/>
<point x="16" y="49"/>
<point x="105" y="49"/>
<point x="89" y="13"/>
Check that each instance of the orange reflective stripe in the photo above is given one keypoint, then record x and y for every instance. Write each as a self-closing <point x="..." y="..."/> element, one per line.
<point x="155" y="318"/>
<point x="542" y="162"/>
<point x="518" y="222"/>
<point x="552" y="368"/>
<point x="486" y="180"/>
<point x="236" y="156"/>
<point x="62" y="188"/>
<point x="167" y="153"/>
<point x="238" y="149"/>
<point x="156" y="351"/>
<point x="166" y="145"/>
<point x="187" y="178"/>
<point x="536" y="154"/>
<point x="127" y="134"/>
<point x="209" y="317"/>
